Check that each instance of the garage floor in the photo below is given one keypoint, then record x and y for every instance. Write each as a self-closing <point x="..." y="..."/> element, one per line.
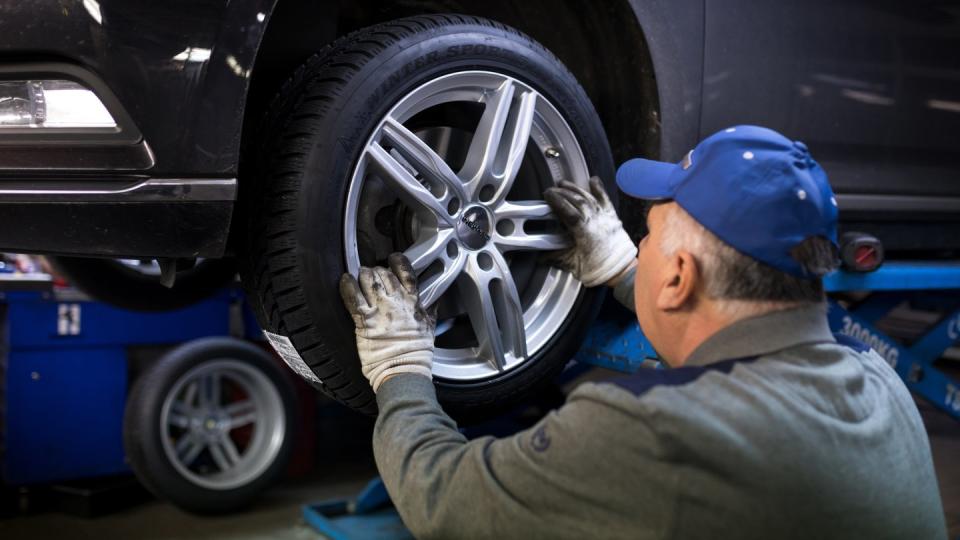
<point x="276" y="516"/>
<point x="344" y="469"/>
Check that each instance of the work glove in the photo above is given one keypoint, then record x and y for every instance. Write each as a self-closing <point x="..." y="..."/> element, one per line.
<point x="602" y="251"/>
<point x="394" y="332"/>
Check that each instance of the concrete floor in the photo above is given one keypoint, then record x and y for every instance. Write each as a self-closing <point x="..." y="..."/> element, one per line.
<point x="348" y="467"/>
<point x="276" y="516"/>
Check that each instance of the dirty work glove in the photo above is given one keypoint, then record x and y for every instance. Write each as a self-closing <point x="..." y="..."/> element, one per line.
<point x="602" y="250"/>
<point x="394" y="332"/>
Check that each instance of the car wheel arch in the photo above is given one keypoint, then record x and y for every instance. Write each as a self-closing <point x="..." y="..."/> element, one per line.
<point x="618" y="74"/>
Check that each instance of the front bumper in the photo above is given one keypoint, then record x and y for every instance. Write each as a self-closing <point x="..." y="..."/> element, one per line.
<point x="140" y="218"/>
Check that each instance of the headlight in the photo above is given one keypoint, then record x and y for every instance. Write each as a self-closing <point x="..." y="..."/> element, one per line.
<point x="51" y="104"/>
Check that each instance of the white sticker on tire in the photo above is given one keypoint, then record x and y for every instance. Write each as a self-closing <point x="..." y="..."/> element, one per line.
<point x="289" y="354"/>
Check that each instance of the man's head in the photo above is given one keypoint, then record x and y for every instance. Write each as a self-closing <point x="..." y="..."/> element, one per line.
<point x="745" y="224"/>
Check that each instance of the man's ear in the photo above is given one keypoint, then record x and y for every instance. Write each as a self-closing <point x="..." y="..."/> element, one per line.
<point x="680" y="279"/>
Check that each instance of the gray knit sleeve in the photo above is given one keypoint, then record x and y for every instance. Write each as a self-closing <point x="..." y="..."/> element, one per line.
<point x="534" y="484"/>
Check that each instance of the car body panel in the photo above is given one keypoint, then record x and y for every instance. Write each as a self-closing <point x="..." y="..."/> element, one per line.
<point x="180" y="68"/>
<point x="674" y="33"/>
<point x="872" y="87"/>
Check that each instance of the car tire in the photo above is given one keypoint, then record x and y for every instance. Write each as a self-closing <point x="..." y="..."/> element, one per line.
<point x="210" y="425"/>
<point x="121" y="285"/>
<point x="304" y="199"/>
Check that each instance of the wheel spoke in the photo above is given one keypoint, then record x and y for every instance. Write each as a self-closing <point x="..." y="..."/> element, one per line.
<point x="424" y="253"/>
<point x="428" y="251"/>
<point x="241" y="413"/>
<point x="423" y="159"/>
<point x="230" y="449"/>
<point x="210" y="390"/>
<point x="524" y="210"/>
<point x="532" y="242"/>
<point x="434" y="286"/>
<point x="515" y="146"/>
<point x="221" y="456"/>
<point x="187" y="449"/>
<point x="417" y="174"/>
<point x="190" y="394"/>
<point x="181" y="408"/>
<point x="493" y="306"/>
<point x="181" y="421"/>
<point x="507" y="305"/>
<point x="519" y="212"/>
<point x="242" y="420"/>
<point x="498" y="145"/>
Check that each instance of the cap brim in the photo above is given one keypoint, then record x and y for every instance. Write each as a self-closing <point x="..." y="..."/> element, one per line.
<point x="646" y="178"/>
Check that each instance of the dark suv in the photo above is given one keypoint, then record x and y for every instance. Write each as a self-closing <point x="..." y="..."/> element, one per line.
<point x="304" y="139"/>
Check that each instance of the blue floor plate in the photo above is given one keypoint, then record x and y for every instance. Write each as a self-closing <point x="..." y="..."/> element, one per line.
<point x="333" y="521"/>
<point x="371" y="516"/>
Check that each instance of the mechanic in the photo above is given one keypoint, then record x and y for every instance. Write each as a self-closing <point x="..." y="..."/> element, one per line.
<point x="766" y="425"/>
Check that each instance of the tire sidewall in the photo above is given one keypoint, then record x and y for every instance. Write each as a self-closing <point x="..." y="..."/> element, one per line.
<point x="330" y="164"/>
<point x="142" y="433"/>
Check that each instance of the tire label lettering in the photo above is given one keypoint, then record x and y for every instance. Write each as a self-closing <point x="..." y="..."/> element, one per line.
<point x="289" y="354"/>
<point x="483" y="49"/>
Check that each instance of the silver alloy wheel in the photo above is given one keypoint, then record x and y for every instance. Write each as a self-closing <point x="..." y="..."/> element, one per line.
<point x="222" y="424"/>
<point x="467" y="235"/>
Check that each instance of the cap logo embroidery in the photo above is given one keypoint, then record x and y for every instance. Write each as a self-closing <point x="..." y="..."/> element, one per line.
<point x="687" y="160"/>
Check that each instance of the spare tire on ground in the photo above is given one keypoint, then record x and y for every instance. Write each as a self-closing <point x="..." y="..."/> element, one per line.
<point x="210" y="425"/>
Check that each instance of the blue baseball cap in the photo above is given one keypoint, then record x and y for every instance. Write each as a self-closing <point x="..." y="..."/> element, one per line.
<point x="756" y="190"/>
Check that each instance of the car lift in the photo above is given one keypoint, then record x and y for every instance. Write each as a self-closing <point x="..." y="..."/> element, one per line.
<point x="617" y="343"/>
<point x="66" y="374"/>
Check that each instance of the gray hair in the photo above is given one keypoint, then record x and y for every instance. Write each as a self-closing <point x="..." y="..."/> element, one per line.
<point x="741" y="283"/>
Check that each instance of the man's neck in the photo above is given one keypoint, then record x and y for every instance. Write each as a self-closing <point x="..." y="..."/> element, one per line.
<point x="713" y="317"/>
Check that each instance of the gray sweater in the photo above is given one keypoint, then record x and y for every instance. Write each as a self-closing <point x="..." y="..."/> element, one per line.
<point x="772" y="430"/>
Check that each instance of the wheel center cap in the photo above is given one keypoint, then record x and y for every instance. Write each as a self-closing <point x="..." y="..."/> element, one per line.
<point x="473" y="229"/>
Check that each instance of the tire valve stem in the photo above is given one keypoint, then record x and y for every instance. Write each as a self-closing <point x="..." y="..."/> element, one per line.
<point x="552" y="153"/>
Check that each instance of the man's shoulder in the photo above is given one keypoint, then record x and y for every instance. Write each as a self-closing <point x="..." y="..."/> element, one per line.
<point x="647" y="387"/>
<point x="676" y="395"/>
<point x="646" y="380"/>
<point x="816" y="375"/>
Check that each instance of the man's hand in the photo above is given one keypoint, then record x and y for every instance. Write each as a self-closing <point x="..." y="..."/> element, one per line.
<point x="394" y="332"/>
<point x="602" y="250"/>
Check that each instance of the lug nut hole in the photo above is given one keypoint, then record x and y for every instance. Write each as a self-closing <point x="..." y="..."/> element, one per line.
<point x="453" y="206"/>
<point x="505" y="227"/>
<point x="487" y="192"/>
<point x="452" y="249"/>
<point x="485" y="261"/>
